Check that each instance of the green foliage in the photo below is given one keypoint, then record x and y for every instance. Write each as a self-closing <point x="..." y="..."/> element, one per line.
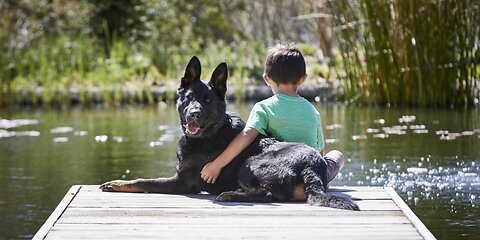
<point x="421" y="53"/>
<point x="117" y="51"/>
<point x="394" y="52"/>
<point x="57" y="67"/>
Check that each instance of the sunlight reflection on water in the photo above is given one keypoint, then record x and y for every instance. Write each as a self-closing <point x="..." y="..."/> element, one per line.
<point x="433" y="164"/>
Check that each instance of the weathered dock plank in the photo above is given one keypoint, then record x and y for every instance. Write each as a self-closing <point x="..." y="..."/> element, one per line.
<point x="87" y="212"/>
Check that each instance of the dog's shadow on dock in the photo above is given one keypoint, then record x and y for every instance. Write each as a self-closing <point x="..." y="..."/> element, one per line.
<point x="212" y="198"/>
<point x="344" y="193"/>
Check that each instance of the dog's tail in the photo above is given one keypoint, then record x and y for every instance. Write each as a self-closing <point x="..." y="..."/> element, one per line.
<point x="326" y="200"/>
<point x="315" y="189"/>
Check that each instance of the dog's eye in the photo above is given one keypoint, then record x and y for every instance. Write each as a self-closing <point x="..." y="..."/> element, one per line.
<point x="189" y="96"/>
<point x="207" y="100"/>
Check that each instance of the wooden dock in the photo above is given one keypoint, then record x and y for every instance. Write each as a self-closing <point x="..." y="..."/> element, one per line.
<point x="87" y="212"/>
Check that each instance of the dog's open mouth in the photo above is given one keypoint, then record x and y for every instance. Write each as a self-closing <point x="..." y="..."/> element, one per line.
<point x="192" y="128"/>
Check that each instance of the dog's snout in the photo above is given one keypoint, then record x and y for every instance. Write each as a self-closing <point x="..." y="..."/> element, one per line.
<point x="195" y="115"/>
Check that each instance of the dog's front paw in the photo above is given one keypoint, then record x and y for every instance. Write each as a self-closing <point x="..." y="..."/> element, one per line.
<point x="226" y="196"/>
<point x="116" y="186"/>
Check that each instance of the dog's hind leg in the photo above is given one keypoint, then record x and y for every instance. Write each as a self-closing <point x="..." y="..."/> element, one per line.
<point x="316" y="195"/>
<point x="257" y="195"/>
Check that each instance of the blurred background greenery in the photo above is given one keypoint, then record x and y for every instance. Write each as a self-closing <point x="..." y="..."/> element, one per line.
<point x="385" y="52"/>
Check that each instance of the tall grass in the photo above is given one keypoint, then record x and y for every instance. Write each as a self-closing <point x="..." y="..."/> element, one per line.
<point x="51" y="69"/>
<point x="110" y="50"/>
<point x="57" y="70"/>
<point x="409" y="52"/>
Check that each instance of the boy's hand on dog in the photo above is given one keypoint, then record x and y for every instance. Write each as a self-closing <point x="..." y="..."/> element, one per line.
<point x="210" y="172"/>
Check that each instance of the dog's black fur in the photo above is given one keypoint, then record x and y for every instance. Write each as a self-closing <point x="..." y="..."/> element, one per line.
<point x="267" y="170"/>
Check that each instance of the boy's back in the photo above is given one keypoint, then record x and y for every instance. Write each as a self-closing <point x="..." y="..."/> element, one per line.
<point x="287" y="118"/>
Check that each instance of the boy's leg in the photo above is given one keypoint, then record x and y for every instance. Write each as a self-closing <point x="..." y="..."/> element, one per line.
<point x="335" y="162"/>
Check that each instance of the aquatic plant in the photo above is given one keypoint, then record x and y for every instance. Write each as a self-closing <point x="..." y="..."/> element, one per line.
<point x="420" y="53"/>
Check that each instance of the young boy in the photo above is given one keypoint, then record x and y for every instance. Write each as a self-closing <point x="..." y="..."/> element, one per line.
<point x="285" y="116"/>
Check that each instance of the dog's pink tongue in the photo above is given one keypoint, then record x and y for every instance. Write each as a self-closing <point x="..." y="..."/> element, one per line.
<point x="192" y="128"/>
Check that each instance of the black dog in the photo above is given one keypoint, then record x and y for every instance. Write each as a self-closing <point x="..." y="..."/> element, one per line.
<point x="267" y="170"/>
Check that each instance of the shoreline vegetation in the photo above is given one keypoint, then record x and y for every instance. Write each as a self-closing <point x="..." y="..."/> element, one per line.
<point x="59" y="71"/>
<point x="388" y="53"/>
<point x="318" y="92"/>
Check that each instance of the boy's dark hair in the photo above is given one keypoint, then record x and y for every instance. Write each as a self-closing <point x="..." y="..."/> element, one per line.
<point x="285" y="63"/>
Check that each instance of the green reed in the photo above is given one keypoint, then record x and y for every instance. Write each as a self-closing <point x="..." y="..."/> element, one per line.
<point x="409" y="52"/>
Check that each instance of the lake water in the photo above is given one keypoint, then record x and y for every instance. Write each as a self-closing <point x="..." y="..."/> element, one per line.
<point x="431" y="157"/>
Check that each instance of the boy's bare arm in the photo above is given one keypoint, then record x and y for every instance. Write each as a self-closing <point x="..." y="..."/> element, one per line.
<point x="212" y="169"/>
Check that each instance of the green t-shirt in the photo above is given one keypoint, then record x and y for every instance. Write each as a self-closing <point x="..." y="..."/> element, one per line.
<point x="290" y="119"/>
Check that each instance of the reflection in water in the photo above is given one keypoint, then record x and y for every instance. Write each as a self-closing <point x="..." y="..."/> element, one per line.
<point x="7" y="134"/>
<point x="14" y="123"/>
<point x="438" y="179"/>
<point x="61" y="130"/>
<point x="431" y="157"/>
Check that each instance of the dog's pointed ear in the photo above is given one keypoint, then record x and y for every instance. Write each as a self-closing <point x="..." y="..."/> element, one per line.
<point x="192" y="72"/>
<point x="219" y="79"/>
